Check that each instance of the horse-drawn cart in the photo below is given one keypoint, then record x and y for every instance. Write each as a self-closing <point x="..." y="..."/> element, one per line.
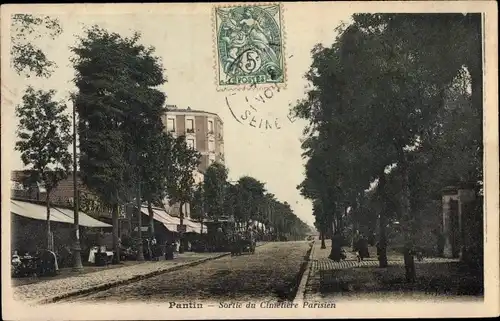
<point x="242" y="244"/>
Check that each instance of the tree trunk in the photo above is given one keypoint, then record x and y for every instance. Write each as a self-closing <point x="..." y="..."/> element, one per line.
<point x="322" y="236"/>
<point x="336" y="250"/>
<point x="181" y="233"/>
<point x="340" y="224"/>
<point x="334" y="225"/>
<point x="116" y="237"/>
<point x="410" y="272"/>
<point x="382" y="247"/>
<point x="382" y="243"/>
<point x="151" y="221"/>
<point x="475" y="62"/>
<point x="353" y="236"/>
<point x="140" y="254"/>
<point x="49" y="234"/>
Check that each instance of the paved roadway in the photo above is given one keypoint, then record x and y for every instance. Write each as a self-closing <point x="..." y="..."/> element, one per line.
<point x="270" y="273"/>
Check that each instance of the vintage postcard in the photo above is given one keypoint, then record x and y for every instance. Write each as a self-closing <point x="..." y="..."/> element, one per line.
<point x="249" y="160"/>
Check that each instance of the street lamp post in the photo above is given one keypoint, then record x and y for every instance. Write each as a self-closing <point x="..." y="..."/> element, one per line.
<point x="77" y="259"/>
<point x="202" y="212"/>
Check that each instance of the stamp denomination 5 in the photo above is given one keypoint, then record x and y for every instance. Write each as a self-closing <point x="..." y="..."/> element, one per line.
<point x="249" y="46"/>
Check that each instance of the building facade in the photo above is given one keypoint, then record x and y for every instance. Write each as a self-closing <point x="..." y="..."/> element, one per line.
<point x="204" y="132"/>
<point x="61" y="195"/>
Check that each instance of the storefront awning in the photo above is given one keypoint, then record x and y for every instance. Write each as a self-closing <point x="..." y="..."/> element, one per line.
<point x="171" y="222"/>
<point x="57" y="214"/>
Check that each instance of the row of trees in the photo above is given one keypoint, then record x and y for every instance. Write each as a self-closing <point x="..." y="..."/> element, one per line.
<point x="245" y="200"/>
<point x="44" y="129"/>
<point x="125" y="155"/>
<point x="126" y="158"/>
<point x="394" y="115"/>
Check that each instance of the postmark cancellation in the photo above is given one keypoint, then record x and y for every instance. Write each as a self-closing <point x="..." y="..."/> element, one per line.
<point x="249" y="46"/>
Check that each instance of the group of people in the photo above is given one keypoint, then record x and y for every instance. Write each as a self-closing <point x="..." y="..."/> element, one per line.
<point x="153" y="250"/>
<point x="242" y="240"/>
<point x="360" y="246"/>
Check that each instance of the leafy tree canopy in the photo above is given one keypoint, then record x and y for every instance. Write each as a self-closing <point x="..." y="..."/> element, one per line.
<point x="26" y="57"/>
<point x="44" y="137"/>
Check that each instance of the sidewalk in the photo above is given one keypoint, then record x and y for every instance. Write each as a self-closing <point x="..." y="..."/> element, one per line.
<point x="59" y="288"/>
<point x="350" y="279"/>
<point x="68" y="272"/>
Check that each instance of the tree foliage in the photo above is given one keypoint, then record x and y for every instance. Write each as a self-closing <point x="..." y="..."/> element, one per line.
<point x="181" y="185"/>
<point x="250" y="194"/>
<point x="198" y="203"/>
<point x="383" y="95"/>
<point x="214" y="186"/>
<point x="157" y="164"/>
<point x="120" y="110"/>
<point x="44" y="139"/>
<point x="247" y="201"/>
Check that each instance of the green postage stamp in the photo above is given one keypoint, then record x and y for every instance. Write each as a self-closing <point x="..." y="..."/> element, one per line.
<point x="249" y="46"/>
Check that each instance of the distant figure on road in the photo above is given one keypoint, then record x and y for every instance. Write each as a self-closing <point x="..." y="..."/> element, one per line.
<point x="362" y="248"/>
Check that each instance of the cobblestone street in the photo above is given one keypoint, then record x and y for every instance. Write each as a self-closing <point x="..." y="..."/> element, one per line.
<point x="57" y="287"/>
<point x="272" y="272"/>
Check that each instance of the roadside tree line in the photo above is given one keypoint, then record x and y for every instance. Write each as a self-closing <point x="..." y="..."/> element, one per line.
<point x="395" y="115"/>
<point x="245" y="200"/>
<point x="125" y="158"/>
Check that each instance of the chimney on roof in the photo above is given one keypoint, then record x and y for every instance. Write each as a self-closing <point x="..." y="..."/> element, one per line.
<point x="171" y="106"/>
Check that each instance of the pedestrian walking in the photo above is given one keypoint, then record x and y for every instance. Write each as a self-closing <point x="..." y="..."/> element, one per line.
<point x="336" y="253"/>
<point x="154" y="249"/>
<point x="169" y="250"/>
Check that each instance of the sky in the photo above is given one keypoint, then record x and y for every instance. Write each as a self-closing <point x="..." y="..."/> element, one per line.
<point x="183" y="37"/>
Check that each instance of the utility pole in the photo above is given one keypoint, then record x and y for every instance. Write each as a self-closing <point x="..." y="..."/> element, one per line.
<point x="202" y="210"/>
<point x="140" y="254"/>
<point x="181" y="232"/>
<point x="77" y="258"/>
<point x="268" y="221"/>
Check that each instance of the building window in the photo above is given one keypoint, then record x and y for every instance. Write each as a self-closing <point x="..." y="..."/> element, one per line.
<point x="190" y="125"/>
<point x="211" y="146"/>
<point x="171" y="125"/>
<point x="190" y="143"/>
<point x="210" y="126"/>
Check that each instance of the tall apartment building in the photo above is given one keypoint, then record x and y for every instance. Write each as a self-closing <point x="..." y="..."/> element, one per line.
<point x="203" y="131"/>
